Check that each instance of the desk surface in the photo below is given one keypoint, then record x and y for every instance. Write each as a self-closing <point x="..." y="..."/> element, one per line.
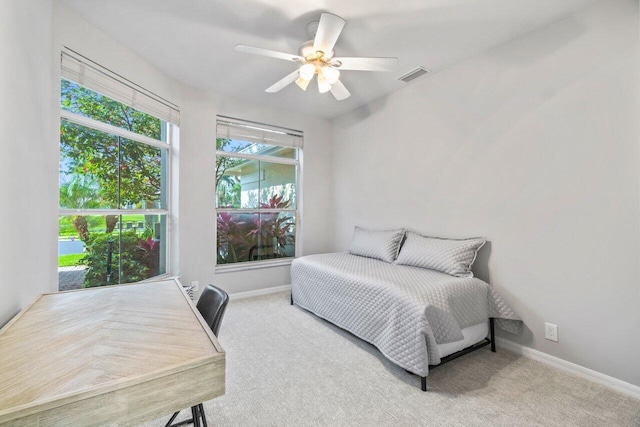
<point x="107" y="354"/>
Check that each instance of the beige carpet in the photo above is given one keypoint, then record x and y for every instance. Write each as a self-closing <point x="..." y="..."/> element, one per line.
<point x="286" y="367"/>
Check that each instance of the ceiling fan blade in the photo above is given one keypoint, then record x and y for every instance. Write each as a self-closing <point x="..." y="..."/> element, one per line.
<point x="282" y="83"/>
<point x="329" y="30"/>
<point x="367" y="64"/>
<point x="268" y="53"/>
<point x="339" y="91"/>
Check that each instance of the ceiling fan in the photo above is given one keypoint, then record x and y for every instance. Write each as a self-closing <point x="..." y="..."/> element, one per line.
<point x="316" y="58"/>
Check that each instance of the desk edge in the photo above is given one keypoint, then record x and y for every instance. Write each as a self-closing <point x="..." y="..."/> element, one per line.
<point x="16" y="412"/>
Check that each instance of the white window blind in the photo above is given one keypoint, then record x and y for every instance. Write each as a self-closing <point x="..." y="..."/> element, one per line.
<point x="80" y="70"/>
<point x="259" y="133"/>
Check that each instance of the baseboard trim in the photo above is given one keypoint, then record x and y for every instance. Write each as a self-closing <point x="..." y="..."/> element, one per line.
<point x="259" y="292"/>
<point x="572" y="368"/>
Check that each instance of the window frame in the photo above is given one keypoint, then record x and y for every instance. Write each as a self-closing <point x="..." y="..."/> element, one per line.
<point x="168" y="130"/>
<point x="297" y="211"/>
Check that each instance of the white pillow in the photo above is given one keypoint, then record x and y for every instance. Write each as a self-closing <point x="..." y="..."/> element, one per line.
<point x="382" y="245"/>
<point x="451" y="256"/>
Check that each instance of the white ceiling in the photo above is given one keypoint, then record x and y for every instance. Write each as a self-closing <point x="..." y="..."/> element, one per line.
<point x="193" y="40"/>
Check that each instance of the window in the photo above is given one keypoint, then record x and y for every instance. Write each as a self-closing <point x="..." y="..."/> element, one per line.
<point x="257" y="192"/>
<point x="114" y="178"/>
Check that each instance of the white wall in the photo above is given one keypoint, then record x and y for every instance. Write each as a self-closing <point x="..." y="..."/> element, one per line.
<point x="533" y="144"/>
<point x="195" y="217"/>
<point x="28" y="243"/>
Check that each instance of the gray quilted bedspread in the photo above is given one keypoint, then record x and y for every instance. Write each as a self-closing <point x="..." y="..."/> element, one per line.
<point x="404" y="311"/>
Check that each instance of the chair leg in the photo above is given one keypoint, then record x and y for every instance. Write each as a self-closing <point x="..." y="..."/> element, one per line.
<point x="173" y="417"/>
<point x="423" y="381"/>
<point x="204" y="417"/>
<point x="196" y="416"/>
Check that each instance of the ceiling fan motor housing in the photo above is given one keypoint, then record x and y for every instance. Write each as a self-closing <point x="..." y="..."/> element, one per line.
<point x="306" y="51"/>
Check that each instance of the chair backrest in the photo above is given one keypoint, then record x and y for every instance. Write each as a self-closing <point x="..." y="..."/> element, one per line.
<point x="212" y="305"/>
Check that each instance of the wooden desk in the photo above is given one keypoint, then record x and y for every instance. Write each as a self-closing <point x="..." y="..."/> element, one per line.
<point x="116" y="355"/>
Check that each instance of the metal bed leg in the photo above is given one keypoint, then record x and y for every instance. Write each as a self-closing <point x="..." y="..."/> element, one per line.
<point x="423" y="383"/>
<point x="493" y="334"/>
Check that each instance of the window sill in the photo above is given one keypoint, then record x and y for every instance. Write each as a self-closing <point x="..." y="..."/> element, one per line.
<point x="159" y="278"/>
<point x="244" y="266"/>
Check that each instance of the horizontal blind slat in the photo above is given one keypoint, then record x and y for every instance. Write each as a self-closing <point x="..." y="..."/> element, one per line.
<point x="101" y="81"/>
<point x="253" y="133"/>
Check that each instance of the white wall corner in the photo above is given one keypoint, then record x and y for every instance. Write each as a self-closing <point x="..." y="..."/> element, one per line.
<point x="571" y="368"/>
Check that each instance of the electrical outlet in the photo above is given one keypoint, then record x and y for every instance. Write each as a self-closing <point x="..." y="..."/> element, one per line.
<point x="196" y="285"/>
<point x="551" y="332"/>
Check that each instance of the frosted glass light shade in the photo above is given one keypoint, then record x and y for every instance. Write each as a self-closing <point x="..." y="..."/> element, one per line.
<point x="331" y="74"/>
<point x="302" y="83"/>
<point x="323" y="84"/>
<point x="307" y="71"/>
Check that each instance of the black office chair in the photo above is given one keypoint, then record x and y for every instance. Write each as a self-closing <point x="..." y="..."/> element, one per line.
<point x="212" y="305"/>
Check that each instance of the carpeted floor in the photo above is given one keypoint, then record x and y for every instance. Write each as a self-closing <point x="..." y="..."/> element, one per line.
<point x="286" y="367"/>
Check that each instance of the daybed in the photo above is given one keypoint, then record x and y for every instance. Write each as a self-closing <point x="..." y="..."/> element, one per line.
<point x="417" y="317"/>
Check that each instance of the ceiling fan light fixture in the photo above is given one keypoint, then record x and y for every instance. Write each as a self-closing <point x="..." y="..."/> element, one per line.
<point x="316" y="57"/>
<point x="302" y="83"/>
<point x="331" y="74"/>
<point x="323" y="84"/>
<point x="307" y="71"/>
